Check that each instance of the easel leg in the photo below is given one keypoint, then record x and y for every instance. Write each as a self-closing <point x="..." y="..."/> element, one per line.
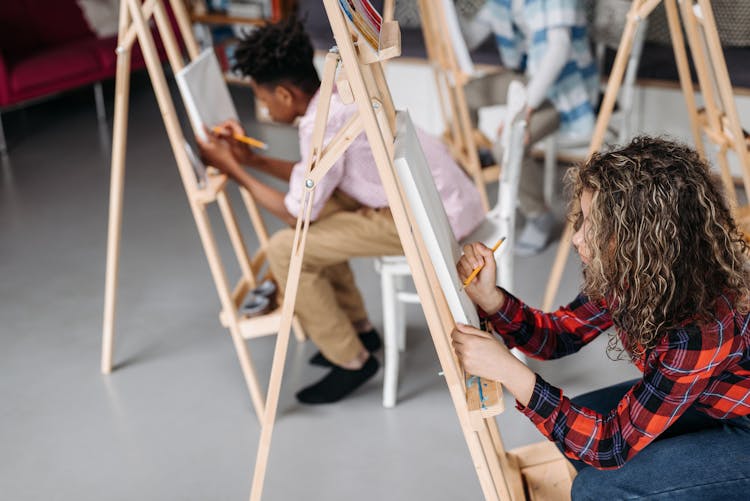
<point x="722" y="125"/>
<point x="726" y="92"/>
<point x="217" y="271"/>
<point x="493" y="464"/>
<point x="235" y="236"/>
<point x="279" y="354"/>
<point x="117" y="181"/>
<point x="683" y="70"/>
<point x="508" y="464"/>
<point x="558" y="267"/>
<point x="605" y="115"/>
<point x="101" y="110"/>
<point x="299" y="332"/>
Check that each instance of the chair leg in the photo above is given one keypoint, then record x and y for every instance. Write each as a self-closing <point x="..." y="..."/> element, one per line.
<point x="101" y="110"/>
<point x="390" y="369"/>
<point x="3" y="144"/>
<point x="400" y="312"/>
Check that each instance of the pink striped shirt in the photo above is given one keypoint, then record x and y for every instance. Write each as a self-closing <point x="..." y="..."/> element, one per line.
<point x="356" y="174"/>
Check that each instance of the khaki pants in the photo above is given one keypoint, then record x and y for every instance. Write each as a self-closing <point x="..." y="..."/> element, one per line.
<point x="328" y="301"/>
<point x="492" y="89"/>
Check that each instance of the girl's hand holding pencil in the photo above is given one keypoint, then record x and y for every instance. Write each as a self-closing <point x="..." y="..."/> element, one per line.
<point x="478" y="272"/>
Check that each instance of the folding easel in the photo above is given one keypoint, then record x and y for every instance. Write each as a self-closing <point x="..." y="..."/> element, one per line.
<point x="718" y="120"/>
<point x="358" y="74"/>
<point x="463" y="138"/>
<point x="134" y="25"/>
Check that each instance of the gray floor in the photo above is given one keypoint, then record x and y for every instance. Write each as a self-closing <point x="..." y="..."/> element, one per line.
<point x="174" y="421"/>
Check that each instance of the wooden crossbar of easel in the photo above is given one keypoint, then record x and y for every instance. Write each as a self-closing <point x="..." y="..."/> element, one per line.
<point x="133" y="26"/>
<point x="718" y="120"/>
<point x="361" y="80"/>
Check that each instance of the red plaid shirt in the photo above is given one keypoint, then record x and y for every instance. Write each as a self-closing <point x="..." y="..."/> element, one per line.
<point x="705" y="366"/>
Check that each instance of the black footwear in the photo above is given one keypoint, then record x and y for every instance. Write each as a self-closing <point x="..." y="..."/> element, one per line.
<point x="338" y="383"/>
<point x="371" y="340"/>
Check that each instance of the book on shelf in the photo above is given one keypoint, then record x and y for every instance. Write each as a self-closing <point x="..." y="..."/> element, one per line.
<point x="366" y="20"/>
<point x="251" y="9"/>
<point x="256" y="10"/>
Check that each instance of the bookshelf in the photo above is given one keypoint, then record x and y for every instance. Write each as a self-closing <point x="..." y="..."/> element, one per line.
<point x="247" y="12"/>
<point x="221" y="28"/>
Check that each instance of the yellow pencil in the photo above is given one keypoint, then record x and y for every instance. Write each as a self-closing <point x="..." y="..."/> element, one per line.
<point x="479" y="268"/>
<point x="244" y="139"/>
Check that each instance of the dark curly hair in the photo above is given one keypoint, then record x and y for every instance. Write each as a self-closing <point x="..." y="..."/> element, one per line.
<point x="279" y="53"/>
<point x="663" y="243"/>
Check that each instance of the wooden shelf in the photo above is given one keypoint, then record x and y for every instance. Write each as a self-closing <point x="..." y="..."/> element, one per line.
<point x="215" y="18"/>
<point x="390" y="40"/>
<point x="215" y="182"/>
<point x="200" y="14"/>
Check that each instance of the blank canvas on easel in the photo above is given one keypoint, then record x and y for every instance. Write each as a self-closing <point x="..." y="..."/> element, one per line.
<point x="429" y="215"/>
<point x="205" y="94"/>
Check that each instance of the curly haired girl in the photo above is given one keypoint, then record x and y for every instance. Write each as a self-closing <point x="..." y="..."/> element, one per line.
<point x="666" y="266"/>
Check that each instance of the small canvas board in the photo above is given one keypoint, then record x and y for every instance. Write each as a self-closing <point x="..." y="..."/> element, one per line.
<point x="205" y="94"/>
<point x="423" y="198"/>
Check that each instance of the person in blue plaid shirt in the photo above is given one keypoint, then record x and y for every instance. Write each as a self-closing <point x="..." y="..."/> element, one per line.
<point x="546" y="43"/>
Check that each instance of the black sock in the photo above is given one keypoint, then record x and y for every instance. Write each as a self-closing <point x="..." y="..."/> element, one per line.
<point x="371" y="340"/>
<point x="338" y="383"/>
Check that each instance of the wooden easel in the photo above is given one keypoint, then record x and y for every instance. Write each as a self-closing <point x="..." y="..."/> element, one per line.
<point x="462" y="138"/>
<point x="718" y="120"/>
<point x="358" y="74"/>
<point x="133" y="25"/>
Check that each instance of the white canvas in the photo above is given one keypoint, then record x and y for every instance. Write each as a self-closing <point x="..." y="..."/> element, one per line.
<point x="424" y="200"/>
<point x="205" y="94"/>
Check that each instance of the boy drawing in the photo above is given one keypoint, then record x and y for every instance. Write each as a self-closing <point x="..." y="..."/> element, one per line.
<point x="350" y="212"/>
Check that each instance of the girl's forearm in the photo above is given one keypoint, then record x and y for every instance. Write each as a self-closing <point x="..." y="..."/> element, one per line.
<point x="520" y="381"/>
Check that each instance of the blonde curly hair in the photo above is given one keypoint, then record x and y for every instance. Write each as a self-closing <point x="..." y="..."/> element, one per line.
<point x="663" y="243"/>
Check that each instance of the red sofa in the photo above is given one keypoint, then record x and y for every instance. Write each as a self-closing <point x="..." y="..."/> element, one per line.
<point x="46" y="47"/>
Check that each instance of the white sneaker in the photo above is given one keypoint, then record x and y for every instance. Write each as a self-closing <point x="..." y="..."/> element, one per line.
<point x="535" y="235"/>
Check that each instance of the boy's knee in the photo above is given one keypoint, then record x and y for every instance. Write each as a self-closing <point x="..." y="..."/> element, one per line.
<point x="279" y="250"/>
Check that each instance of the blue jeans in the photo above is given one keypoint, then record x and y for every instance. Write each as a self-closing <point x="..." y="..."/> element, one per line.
<point x="697" y="458"/>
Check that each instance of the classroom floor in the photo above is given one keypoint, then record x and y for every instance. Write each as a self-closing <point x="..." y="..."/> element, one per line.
<point x="174" y="420"/>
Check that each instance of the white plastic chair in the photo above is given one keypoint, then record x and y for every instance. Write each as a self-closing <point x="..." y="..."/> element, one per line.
<point x="499" y="221"/>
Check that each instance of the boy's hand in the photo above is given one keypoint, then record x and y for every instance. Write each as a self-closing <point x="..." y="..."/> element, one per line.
<point x="231" y="127"/>
<point x="483" y="289"/>
<point x="243" y="153"/>
<point x="216" y="152"/>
